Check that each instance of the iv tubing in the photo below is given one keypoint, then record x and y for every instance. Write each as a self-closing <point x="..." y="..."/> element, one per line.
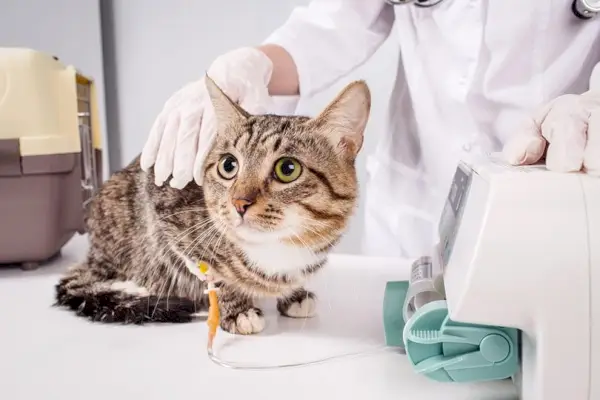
<point x="213" y="323"/>
<point x="258" y="367"/>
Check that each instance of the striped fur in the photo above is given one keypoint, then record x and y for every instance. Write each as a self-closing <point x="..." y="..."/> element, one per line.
<point x="145" y="240"/>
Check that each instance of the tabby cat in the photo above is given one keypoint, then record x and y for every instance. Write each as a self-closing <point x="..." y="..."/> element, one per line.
<point x="277" y="195"/>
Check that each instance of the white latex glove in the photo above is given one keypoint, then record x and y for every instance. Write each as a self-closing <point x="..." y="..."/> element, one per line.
<point x="185" y="129"/>
<point x="567" y="130"/>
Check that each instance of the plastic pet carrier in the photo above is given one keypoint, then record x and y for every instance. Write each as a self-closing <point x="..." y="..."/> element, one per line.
<point x="50" y="154"/>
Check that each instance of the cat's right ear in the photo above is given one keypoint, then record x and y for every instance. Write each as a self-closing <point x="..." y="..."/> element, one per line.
<point x="226" y="110"/>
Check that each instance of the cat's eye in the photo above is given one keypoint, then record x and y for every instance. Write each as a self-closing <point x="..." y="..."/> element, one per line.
<point x="228" y="167"/>
<point x="287" y="169"/>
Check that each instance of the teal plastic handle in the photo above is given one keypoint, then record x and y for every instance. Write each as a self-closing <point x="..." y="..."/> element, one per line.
<point x="393" y="322"/>
<point x="445" y="350"/>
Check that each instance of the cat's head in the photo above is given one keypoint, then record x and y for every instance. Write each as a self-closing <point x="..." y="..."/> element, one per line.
<point x="287" y="179"/>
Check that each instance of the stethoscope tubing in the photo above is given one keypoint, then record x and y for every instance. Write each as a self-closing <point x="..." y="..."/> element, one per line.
<point x="583" y="9"/>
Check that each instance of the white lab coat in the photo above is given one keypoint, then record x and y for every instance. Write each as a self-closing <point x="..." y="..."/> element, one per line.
<point x="470" y="72"/>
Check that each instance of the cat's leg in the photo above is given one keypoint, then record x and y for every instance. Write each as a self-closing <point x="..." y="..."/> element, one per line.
<point x="92" y="289"/>
<point x="238" y="313"/>
<point x="300" y="304"/>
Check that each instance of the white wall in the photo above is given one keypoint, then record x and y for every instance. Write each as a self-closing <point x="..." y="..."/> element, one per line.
<point x="160" y="45"/>
<point x="67" y="29"/>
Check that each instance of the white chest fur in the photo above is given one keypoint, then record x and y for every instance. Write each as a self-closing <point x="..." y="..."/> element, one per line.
<point x="276" y="258"/>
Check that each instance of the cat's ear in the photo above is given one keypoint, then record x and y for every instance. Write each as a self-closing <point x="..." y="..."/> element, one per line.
<point x="343" y="121"/>
<point x="226" y="110"/>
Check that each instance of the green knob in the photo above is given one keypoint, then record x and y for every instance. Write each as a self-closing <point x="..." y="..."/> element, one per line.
<point x="494" y="348"/>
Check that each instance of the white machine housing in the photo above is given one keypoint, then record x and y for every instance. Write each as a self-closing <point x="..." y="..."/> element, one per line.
<point x="523" y="251"/>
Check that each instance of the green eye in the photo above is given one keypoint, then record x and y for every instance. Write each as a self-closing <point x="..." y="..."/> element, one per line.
<point x="287" y="170"/>
<point x="228" y="167"/>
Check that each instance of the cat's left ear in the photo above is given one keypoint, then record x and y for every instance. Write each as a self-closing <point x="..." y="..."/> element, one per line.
<point x="344" y="120"/>
<point x="226" y="110"/>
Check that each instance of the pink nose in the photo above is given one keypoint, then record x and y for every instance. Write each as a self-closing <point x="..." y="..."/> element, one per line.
<point x="242" y="205"/>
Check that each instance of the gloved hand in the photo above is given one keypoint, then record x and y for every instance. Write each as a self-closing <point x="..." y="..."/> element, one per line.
<point x="184" y="130"/>
<point x="567" y="130"/>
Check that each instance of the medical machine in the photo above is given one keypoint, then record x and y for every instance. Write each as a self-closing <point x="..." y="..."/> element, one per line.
<point x="512" y="290"/>
<point x="50" y="154"/>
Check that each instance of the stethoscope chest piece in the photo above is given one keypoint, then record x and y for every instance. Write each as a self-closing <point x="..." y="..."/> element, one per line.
<point x="399" y="2"/>
<point x="586" y="9"/>
<point x="416" y="3"/>
<point x="427" y="3"/>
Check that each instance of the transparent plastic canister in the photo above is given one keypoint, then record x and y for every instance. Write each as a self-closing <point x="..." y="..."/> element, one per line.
<point x="426" y="284"/>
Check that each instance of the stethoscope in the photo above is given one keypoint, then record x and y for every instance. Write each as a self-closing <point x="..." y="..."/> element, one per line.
<point x="584" y="9"/>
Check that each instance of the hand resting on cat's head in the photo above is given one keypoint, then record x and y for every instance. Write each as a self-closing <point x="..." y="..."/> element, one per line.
<point x="277" y="195"/>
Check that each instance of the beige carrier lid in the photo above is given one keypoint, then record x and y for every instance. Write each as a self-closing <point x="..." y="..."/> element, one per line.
<point x="39" y="103"/>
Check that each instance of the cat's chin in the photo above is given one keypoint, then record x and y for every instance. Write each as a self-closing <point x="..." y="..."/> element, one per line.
<point x="247" y="233"/>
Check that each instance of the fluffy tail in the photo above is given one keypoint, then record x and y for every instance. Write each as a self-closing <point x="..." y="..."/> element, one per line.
<point x="112" y="302"/>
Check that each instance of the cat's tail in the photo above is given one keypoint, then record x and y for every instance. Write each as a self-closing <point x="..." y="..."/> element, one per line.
<point x="119" y="301"/>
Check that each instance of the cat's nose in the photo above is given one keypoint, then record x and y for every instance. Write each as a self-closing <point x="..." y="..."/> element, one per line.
<point x="242" y="205"/>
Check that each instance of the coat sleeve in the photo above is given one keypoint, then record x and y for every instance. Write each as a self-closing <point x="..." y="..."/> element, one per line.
<point x="328" y="39"/>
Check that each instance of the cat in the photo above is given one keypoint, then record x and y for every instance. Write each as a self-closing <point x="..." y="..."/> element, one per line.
<point x="277" y="196"/>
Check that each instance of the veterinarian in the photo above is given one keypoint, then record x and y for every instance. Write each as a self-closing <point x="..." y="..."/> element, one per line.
<point x="473" y="76"/>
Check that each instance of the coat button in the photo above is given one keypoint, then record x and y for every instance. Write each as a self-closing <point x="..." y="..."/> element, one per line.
<point x="467" y="147"/>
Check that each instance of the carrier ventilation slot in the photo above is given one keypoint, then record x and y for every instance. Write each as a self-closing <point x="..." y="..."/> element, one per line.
<point x="89" y="178"/>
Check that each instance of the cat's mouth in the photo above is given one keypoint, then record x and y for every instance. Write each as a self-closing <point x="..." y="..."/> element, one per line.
<point x="249" y="224"/>
<point x="245" y="227"/>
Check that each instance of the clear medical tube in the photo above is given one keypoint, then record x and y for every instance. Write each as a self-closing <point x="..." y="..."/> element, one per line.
<point x="426" y="284"/>
<point x="261" y="367"/>
<point x="213" y="323"/>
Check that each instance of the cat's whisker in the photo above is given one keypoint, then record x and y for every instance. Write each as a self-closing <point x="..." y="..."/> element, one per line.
<point x="326" y="242"/>
<point x="187" y="253"/>
<point x="216" y="228"/>
<point x="174" y="269"/>
<point x="308" y="222"/>
<point x="317" y="222"/>
<point x="174" y="242"/>
<point x="195" y="209"/>
<point x="159" y="296"/>
<point x="178" y="238"/>
<point x="219" y="228"/>
<point x="192" y="248"/>
<point x="174" y="283"/>
<point x="218" y="244"/>
<point x="205" y="236"/>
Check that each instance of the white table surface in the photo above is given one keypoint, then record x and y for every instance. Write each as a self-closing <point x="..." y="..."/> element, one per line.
<point x="47" y="353"/>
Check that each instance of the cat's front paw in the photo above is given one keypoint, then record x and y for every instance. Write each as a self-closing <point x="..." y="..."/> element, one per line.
<point x="245" y="323"/>
<point x="302" y="304"/>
